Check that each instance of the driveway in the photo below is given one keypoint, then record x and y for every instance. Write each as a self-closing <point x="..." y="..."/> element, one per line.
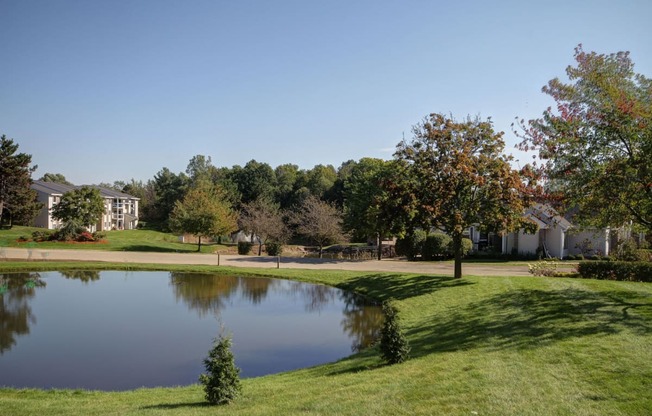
<point x="385" y="265"/>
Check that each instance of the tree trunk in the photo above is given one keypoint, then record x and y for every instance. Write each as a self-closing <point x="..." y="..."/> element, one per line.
<point x="199" y="244"/>
<point x="380" y="247"/>
<point x="321" y="251"/>
<point x="457" y="252"/>
<point x="260" y="247"/>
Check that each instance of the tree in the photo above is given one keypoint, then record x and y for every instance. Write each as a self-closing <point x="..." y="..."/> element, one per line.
<point x="16" y="196"/>
<point x="394" y="347"/>
<point x="222" y="381"/>
<point x="82" y="207"/>
<point x="463" y="178"/>
<point x="168" y="188"/>
<point x="203" y="213"/>
<point x="596" y="148"/>
<point x="375" y="202"/>
<point x="56" y="178"/>
<point x="254" y="180"/>
<point x="263" y="219"/>
<point x="319" y="221"/>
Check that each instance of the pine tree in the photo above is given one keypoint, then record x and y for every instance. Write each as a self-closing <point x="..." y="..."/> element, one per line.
<point x="394" y="346"/>
<point x="222" y="383"/>
<point x="16" y="196"/>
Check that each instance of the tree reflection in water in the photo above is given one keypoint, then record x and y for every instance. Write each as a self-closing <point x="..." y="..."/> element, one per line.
<point x="362" y="322"/>
<point x="15" y="313"/>
<point x="83" y="275"/>
<point x="204" y="293"/>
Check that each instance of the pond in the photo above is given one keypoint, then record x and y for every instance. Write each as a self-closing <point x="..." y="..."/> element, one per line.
<point x="115" y="330"/>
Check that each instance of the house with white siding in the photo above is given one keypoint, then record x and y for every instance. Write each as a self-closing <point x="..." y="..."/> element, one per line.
<point x="120" y="209"/>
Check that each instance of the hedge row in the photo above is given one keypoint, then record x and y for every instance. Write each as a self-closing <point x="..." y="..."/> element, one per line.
<point x="616" y="270"/>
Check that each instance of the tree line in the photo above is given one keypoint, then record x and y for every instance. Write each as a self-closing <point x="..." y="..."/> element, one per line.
<point x="594" y="158"/>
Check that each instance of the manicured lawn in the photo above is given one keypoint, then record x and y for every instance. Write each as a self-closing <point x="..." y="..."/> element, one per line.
<point x="480" y="345"/>
<point x="125" y="240"/>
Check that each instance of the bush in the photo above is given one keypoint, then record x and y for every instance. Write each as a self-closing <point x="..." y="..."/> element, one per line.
<point x="85" y="237"/>
<point x="394" y="347"/>
<point x="68" y="232"/>
<point x="543" y="268"/>
<point x="411" y="245"/>
<point x="41" y="235"/>
<point x="244" y="247"/>
<point x="222" y="383"/>
<point x="99" y="235"/>
<point x="274" y="249"/>
<point x="616" y="270"/>
<point x="437" y="246"/>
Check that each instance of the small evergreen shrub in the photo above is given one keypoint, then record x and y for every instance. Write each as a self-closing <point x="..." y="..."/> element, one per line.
<point x="616" y="270"/>
<point x="222" y="381"/>
<point x="99" y="235"/>
<point x="41" y="235"/>
<point x="244" y="247"/>
<point x="274" y="249"/>
<point x="394" y="346"/>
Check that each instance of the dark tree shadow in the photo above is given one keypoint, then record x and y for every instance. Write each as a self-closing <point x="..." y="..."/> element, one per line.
<point x="392" y="286"/>
<point x="152" y="248"/>
<point x="530" y="318"/>
<point x="287" y="260"/>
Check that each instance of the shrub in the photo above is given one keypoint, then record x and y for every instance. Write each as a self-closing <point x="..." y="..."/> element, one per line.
<point x="616" y="270"/>
<point x="84" y="237"/>
<point x="68" y="232"/>
<point x="244" y="247"/>
<point x="436" y="246"/>
<point x="99" y="235"/>
<point x="274" y="249"/>
<point x="543" y="268"/>
<point x="394" y="347"/>
<point x="627" y="251"/>
<point x="411" y="245"/>
<point x="41" y="235"/>
<point x="222" y="383"/>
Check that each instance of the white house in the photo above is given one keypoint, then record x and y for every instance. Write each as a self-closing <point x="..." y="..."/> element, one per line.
<point x="120" y="209"/>
<point x="556" y="236"/>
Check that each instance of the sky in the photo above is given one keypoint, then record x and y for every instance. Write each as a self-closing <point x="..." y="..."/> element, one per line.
<point x="104" y="91"/>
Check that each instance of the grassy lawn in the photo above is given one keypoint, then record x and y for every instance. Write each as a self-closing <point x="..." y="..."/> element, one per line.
<point x="480" y="345"/>
<point x="125" y="240"/>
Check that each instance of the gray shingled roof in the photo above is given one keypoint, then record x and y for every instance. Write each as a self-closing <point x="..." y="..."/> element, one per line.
<point x="53" y="188"/>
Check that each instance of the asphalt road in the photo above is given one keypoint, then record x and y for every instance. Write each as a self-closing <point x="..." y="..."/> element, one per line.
<point x="385" y="265"/>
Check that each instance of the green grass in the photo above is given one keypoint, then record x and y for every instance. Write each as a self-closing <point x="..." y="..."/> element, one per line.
<point x="124" y="240"/>
<point x="480" y="345"/>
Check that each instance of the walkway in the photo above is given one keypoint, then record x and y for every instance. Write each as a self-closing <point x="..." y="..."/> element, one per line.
<point x="386" y="265"/>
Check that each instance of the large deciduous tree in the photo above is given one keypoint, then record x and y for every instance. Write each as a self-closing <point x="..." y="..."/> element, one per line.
<point x="264" y="220"/>
<point x="82" y="207"/>
<point x="463" y="177"/>
<point x="203" y="212"/>
<point x="16" y="195"/>
<point x="596" y="144"/>
<point x="376" y="200"/>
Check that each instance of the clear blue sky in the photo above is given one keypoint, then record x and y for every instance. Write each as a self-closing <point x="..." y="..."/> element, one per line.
<point x="112" y="90"/>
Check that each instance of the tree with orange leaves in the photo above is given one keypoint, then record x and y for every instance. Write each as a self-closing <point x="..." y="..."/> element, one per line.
<point x="464" y="178"/>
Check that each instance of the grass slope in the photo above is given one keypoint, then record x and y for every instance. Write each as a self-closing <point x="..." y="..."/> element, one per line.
<point x="480" y="345"/>
<point x="123" y="240"/>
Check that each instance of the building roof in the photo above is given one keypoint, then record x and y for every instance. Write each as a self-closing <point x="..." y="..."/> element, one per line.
<point x="53" y="188"/>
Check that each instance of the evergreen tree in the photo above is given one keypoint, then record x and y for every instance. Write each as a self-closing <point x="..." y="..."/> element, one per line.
<point x="17" y="199"/>
<point x="222" y="383"/>
<point x="394" y="346"/>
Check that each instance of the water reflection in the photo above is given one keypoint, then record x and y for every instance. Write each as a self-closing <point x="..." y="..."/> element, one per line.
<point x="209" y="294"/>
<point x="17" y="289"/>
<point x="154" y="328"/>
<point x="83" y="275"/>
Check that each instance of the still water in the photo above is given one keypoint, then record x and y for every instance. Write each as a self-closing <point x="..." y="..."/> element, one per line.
<point x="115" y="330"/>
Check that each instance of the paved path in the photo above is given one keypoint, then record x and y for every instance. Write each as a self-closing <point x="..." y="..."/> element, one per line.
<point x="387" y="265"/>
